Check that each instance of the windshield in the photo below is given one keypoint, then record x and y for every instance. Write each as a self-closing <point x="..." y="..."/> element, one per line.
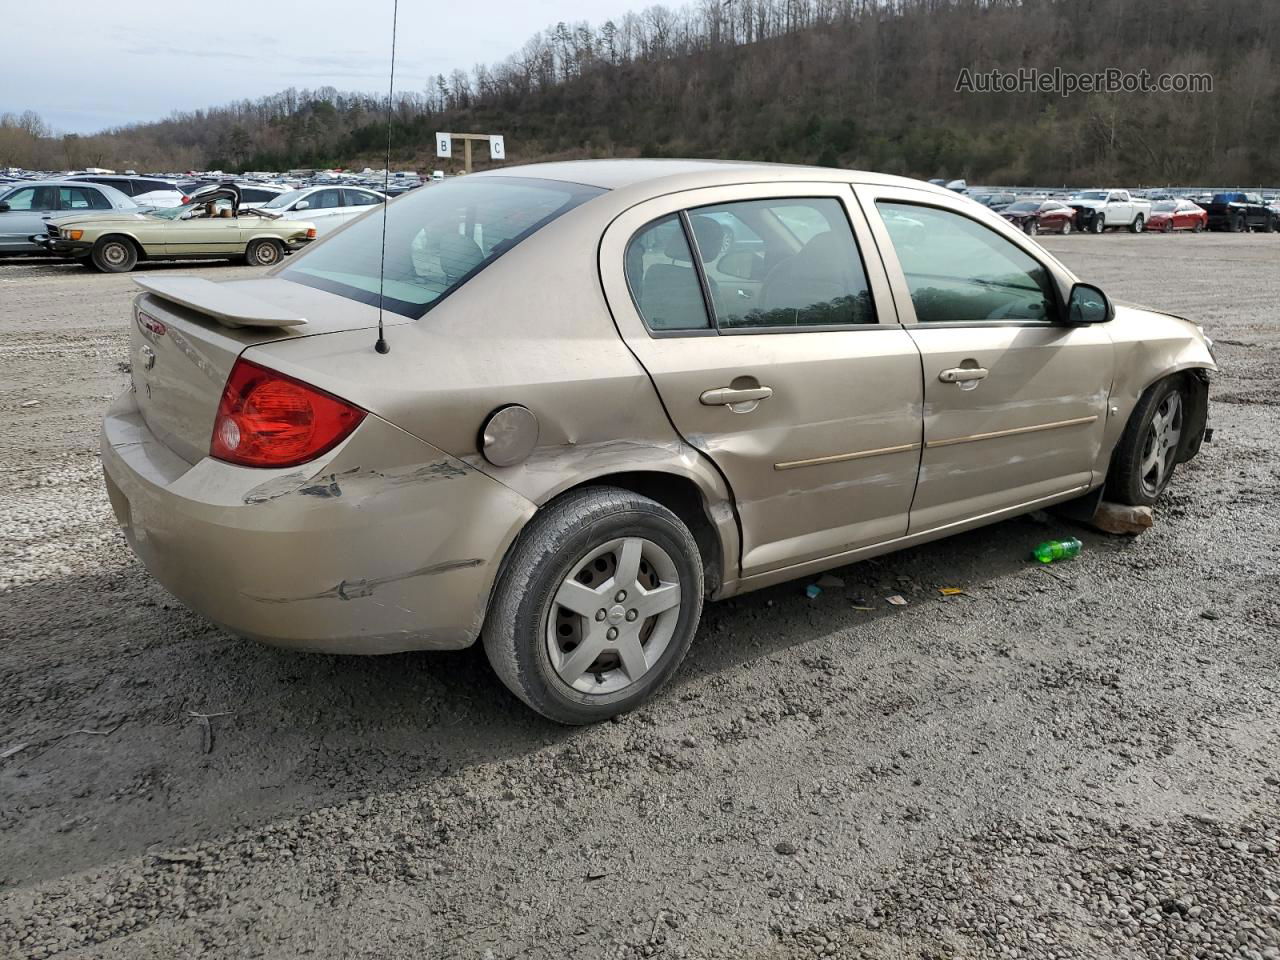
<point x="1023" y="206"/>
<point x="1164" y="206"/>
<point x="1090" y="195"/>
<point x="281" y="201"/>
<point x="436" y="240"/>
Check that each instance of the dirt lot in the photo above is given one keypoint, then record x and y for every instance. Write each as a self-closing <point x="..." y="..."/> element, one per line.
<point x="1078" y="761"/>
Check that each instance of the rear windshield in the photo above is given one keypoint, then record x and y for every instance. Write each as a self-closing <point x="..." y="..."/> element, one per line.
<point x="1227" y="197"/>
<point x="437" y="239"/>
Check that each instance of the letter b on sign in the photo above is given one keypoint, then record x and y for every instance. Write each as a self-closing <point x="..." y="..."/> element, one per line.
<point x="444" y="145"/>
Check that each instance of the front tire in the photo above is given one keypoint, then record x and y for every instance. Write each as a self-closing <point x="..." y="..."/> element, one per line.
<point x="1066" y="227"/>
<point x="1239" y="224"/>
<point x="1147" y="454"/>
<point x="1168" y="227"/>
<point x="264" y="253"/>
<point x="1033" y="227"/>
<point x="114" y="255"/>
<point x="1270" y="225"/>
<point x="597" y="605"/>
<point x="1098" y="224"/>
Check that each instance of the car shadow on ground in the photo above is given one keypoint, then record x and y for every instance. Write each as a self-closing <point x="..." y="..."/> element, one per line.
<point x="107" y="699"/>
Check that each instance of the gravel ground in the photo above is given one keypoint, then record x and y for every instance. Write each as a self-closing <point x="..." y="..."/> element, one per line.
<point x="1075" y="761"/>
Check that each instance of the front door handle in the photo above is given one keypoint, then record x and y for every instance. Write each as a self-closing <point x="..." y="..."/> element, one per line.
<point x="963" y="374"/>
<point x="728" y="396"/>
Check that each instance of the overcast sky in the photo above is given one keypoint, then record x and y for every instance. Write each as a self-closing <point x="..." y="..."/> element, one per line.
<point x="86" y="66"/>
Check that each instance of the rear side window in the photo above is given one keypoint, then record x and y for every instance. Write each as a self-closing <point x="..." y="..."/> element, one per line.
<point x="663" y="283"/>
<point x="81" y="198"/>
<point x="437" y="239"/>
<point x="796" y="266"/>
<point x="358" y="198"/>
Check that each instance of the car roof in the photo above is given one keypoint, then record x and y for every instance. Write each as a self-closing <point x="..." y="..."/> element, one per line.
<point x="671" y="175"/>
<point x="64" y="182"/>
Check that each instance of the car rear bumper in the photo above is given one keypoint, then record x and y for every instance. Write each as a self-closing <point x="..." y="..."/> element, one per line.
<point x="385" y="544"/>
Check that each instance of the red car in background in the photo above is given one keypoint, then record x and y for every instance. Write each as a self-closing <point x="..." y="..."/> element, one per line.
<point x="1040" y="216"/>
<point x="1170" y="215"/>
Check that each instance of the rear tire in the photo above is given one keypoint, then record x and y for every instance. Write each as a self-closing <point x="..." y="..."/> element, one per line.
<point x="114" y="255"/>
<point x="1137" y="225"/>
<point x="1199" y="227"/>
<point x="568" y="588"/>
<point x="1147" y="453"/>
<point x="264" y="253"/>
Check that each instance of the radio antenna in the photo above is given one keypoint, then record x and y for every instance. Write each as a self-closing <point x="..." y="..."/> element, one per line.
<point x="381" y="346"/>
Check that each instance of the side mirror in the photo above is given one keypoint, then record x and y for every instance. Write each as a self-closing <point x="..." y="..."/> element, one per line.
<point x="1088" y="304"/>
<point x="301" y="205"/>
<point x="4" y="207"/>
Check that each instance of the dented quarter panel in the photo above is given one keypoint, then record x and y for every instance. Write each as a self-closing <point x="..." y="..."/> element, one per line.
<point x="384" y="544"/>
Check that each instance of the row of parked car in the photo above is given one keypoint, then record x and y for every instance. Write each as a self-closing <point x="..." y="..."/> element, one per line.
<point x="1095" y="211"/>
<point x="96" y="222"/>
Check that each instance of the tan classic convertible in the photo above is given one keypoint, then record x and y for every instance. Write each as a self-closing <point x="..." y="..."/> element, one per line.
<point x="212" y="226"/>
<point x="616" y="389"/>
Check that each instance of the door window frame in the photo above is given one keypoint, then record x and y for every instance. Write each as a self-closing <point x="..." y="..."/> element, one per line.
<point x="633" y="221"/>
<point x="867" y="197"/>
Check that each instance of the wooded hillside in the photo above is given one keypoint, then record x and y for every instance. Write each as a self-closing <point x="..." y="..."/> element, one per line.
<point x="856" y="83"/>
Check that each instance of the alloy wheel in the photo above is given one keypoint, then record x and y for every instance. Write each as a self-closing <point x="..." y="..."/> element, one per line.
<point x="613" y="615"/>
<point x="1160" y="444"/>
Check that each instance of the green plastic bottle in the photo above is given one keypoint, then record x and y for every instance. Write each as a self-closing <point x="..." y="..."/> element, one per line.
<point x="1052" y="550"/>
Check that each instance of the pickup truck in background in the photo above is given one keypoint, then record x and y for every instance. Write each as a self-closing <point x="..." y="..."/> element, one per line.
<point x="1098" y="210"/>
<point x="1241" y="212"/>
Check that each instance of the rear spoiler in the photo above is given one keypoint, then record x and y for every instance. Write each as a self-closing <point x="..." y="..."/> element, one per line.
<point x="228" y="306"/>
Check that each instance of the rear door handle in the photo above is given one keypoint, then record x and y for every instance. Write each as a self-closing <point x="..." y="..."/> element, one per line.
<point x="963" y="374"/>
<point x="728" y="396"/>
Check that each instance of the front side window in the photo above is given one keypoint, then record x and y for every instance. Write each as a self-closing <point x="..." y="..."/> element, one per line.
<point x="960" y="271"/>
<point x="436" y="239"/>
<point x="660" y="274"/>
<point x="325" y="199"/>
<point x="31" y="198"/>
<point x="793" y="263"/>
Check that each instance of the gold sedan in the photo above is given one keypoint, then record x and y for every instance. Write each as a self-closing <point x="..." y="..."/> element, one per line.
<point x="558" y="407"/>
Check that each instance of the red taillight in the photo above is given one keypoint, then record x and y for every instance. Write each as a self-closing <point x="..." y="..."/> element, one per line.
<point x="266" y="419"/>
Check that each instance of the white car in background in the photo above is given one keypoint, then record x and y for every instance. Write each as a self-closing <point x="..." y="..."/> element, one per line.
<point x="146" y="191"/>
<point x="328" y="207"/>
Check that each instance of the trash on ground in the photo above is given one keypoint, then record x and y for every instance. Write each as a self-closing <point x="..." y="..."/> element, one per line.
<point x="860" y="603"/>
<point x="828" y="580"/>
<point x="812" y="591"/>
<point x="1121" y="518"/>
<point x="31" y="403"/>
<point x="16" y="748"/>
<point x="897" y="599"/>
<point x="951" y="591"/>
<point x="1052" y="550"/>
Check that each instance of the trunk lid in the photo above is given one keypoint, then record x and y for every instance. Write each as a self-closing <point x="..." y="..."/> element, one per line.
<point x="185" y="337"/>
